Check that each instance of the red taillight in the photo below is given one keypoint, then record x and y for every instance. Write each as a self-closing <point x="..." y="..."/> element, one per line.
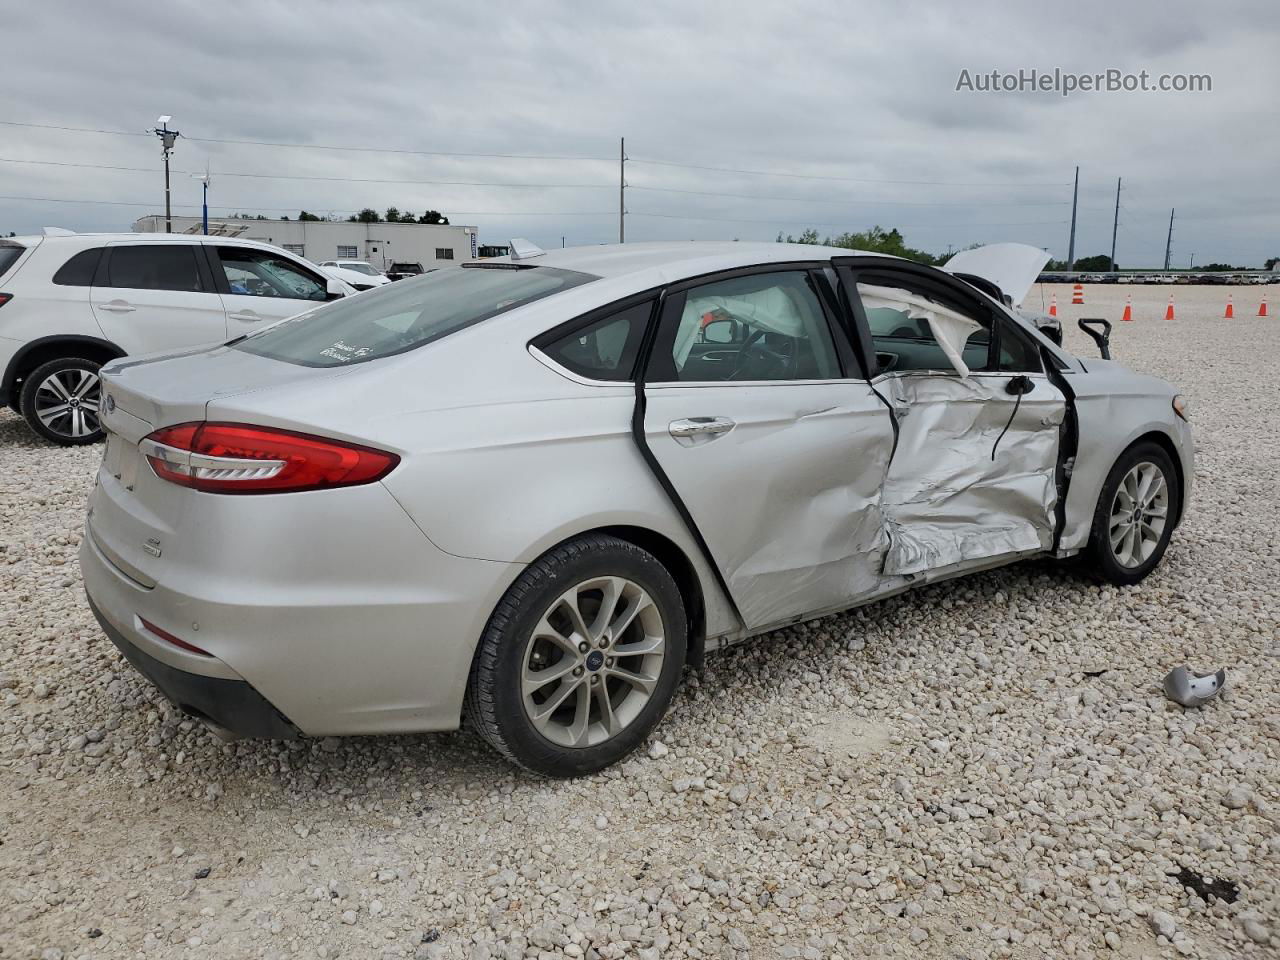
<point x="170" y="638"/>
<point x="5" y="298"/>
<point x="237" y="458"/>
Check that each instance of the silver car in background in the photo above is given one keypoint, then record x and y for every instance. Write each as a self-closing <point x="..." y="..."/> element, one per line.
<point x="529" y="490"/>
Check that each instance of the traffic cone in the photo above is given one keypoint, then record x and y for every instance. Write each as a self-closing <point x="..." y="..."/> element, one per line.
<point x="1128" y="310"/>
<point x="1231" y="313"/>
<point x="1168" y="313"/>
<point x="1262" y="310"/>
<point x="1077" y="295"/>
<point x="1053" y="305"/>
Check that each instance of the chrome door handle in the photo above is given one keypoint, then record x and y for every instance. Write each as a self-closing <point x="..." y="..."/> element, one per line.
<point x="700" y="426"/>
<point x="116" y="307"/>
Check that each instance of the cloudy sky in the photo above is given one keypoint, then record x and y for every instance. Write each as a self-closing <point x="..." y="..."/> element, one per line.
<point x="741" y="119"/>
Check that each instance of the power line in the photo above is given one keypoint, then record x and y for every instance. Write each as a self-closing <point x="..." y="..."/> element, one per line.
<point x="844" y="223"/>
<point x="254" y="206"/>
<point x="809" y="176"/>
<point x="829" y="201"/>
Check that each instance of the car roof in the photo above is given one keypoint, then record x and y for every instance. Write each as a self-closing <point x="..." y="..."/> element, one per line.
<point x="98" y="238"/>
<point x="687" y="258"/>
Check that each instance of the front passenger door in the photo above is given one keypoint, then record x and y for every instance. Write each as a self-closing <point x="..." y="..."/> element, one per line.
<point x="260" y="287"/>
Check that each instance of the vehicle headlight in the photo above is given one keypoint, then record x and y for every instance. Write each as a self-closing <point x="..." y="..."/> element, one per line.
<point x="1182" y="407"/>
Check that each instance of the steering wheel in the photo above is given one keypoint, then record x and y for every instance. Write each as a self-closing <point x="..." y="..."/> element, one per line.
<point x="754" y="345"/>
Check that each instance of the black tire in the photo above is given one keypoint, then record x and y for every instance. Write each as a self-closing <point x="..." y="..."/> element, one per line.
<point x="494" y="703"/>
<point x="1099" y="558"/>
<point x="32" y="398"/>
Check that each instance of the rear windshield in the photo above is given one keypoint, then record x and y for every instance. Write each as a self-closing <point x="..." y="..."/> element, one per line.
<point x="403" y="316"/>
<point x="9" y="254"/>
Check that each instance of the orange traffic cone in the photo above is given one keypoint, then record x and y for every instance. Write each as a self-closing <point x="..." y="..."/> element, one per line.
<point x="1077" y="295"/>
<point x="1168" y="313"/>
<point x="1053" y="305"/>
<point x="1231" y="313"/>
<point x="1128" y="310"/>
<point x="1262" y="310"/>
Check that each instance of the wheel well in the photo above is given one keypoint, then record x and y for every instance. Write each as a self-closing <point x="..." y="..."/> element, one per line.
<point x="1163" y="442"/>
<point x="686" y="578"/>
<point x="42" y="351"/>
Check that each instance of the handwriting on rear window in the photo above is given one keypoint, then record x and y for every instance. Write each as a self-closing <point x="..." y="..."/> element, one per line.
<point x="343" y="352"/>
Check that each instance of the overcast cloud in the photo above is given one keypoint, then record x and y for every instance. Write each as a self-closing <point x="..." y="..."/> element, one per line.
<point x="863" y="91"/>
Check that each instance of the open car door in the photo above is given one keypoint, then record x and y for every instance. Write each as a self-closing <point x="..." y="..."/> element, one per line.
<point x="975" y="474"/>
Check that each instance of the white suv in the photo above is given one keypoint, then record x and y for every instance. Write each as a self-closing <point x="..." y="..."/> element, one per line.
<point x="71" y="302"/>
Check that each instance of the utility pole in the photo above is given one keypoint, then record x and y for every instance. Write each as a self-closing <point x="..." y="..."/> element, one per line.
<point x="167" y="138"/>
<point x="622" y="189"/>
<point x="1168" y="244"/>
<point x="1115" y="224"/>
<point x="1071" y="246"/>
<point x="205" y="179"/>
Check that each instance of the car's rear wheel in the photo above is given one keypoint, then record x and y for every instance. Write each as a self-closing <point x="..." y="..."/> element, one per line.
<point x="1135" y="515"/>
<point x="580" y="659"/>
<point x="60" y="401"/>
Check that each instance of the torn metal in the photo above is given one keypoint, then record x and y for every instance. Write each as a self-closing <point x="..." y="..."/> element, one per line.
<point x="946" y="499"/>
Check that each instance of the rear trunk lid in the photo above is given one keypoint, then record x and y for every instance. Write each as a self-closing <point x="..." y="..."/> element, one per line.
<point x="133" y="514"/>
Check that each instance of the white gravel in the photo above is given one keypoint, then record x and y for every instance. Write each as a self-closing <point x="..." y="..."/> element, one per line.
<point x="983" y="768"/>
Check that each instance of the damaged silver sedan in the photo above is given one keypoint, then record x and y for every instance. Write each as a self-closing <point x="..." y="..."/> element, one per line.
<point x="527" y="491"/>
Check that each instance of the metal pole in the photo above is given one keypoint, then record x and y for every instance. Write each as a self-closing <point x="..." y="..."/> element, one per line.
<point x="168" y="216"/>
<point x="1071" y="246"/>
<point x="622" y="189"/>
<point x="204" y="213"/>
<point x="1114" y="225"/>
<point x="1168" y="244"/>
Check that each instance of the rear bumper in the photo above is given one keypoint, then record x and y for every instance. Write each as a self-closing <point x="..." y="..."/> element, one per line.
<point x="231" y="704"/>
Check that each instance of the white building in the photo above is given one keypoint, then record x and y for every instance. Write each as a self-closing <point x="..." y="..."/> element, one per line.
<point x="381" y="244"/>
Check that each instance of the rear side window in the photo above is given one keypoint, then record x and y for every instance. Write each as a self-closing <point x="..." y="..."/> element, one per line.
<point x="403" y="316"/>
<point x="605" y="349"/>
<point x="9" y="254"/>
<point x="79" y="270"/>
<point x="154" y="266"/>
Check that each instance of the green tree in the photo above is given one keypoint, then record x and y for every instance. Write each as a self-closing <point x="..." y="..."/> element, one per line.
<point x="1269" y="265"/>
<point x="434" y="216"/>
<point x="1097" y="264"/>
<point x="309" y="217"/>
<point x="367" y="215"/>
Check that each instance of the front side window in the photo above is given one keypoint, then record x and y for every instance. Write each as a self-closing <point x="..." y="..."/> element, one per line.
<point x="256" y="273"/>
<point x="605" y="349"/>
<point x="154" y="266"/>
<point x="404" y="316"/>
<point x="901" y="323"/>
<point x="759" y="327"/>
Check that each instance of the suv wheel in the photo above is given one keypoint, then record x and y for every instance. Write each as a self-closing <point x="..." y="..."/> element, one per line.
<point x="1134" y="517"/>
<point x="580" y="658"/>
<point x="60" y="401"/>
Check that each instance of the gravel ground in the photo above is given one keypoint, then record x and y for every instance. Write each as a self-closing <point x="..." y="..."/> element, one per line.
<point x="982" y="768"/>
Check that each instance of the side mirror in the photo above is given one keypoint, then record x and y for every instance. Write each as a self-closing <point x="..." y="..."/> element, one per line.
<point x="1051" y="332"/>
<point x="719" y="331"/>
<point x="334" y="289"/>
<point x="1103" y="339"/>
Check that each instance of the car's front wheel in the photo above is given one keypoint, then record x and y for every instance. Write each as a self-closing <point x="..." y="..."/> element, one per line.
<point x="580" y="659"/>
<point x="60" y="401"/>
<point x="1135" y="515"/>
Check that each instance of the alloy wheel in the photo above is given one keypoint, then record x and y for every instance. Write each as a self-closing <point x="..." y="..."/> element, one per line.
<point x="592" y="662"/>
<point x="1139" y="513"/>
<point x="67" y="402"/>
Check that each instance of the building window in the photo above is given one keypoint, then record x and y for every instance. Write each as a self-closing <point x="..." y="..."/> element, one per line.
<point x="347" y="253"/>
<point x="444" y="253"/>
<point x="297" y="249"/>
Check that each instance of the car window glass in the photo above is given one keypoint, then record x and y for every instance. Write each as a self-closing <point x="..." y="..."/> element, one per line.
<point x="9" y="254"/>
<point x="1017" y="354"/>
<point x="397" y="317"/>
<point x="903" y="338"/>
<point x="79" y="270"/>
<point x="154" y="266"/>
<point x="256" y="273"/>
<point x="758" y="327"/>
<point x="605" y="349"/>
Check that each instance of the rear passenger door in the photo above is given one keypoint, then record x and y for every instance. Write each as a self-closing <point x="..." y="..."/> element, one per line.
<point x="260" y="287"/>
<point x="771" y="438"/>
<point x="149" y="297"/>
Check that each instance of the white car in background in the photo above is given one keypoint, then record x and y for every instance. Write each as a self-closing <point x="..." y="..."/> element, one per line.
<point x="360" y="274"/>
<point x="70" y="302"/>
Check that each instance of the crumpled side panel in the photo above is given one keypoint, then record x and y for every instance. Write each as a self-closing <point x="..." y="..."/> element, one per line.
<point x="946" y="501"/>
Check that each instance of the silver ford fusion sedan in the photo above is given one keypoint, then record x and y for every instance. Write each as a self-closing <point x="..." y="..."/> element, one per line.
<point x="527" y="491"/>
